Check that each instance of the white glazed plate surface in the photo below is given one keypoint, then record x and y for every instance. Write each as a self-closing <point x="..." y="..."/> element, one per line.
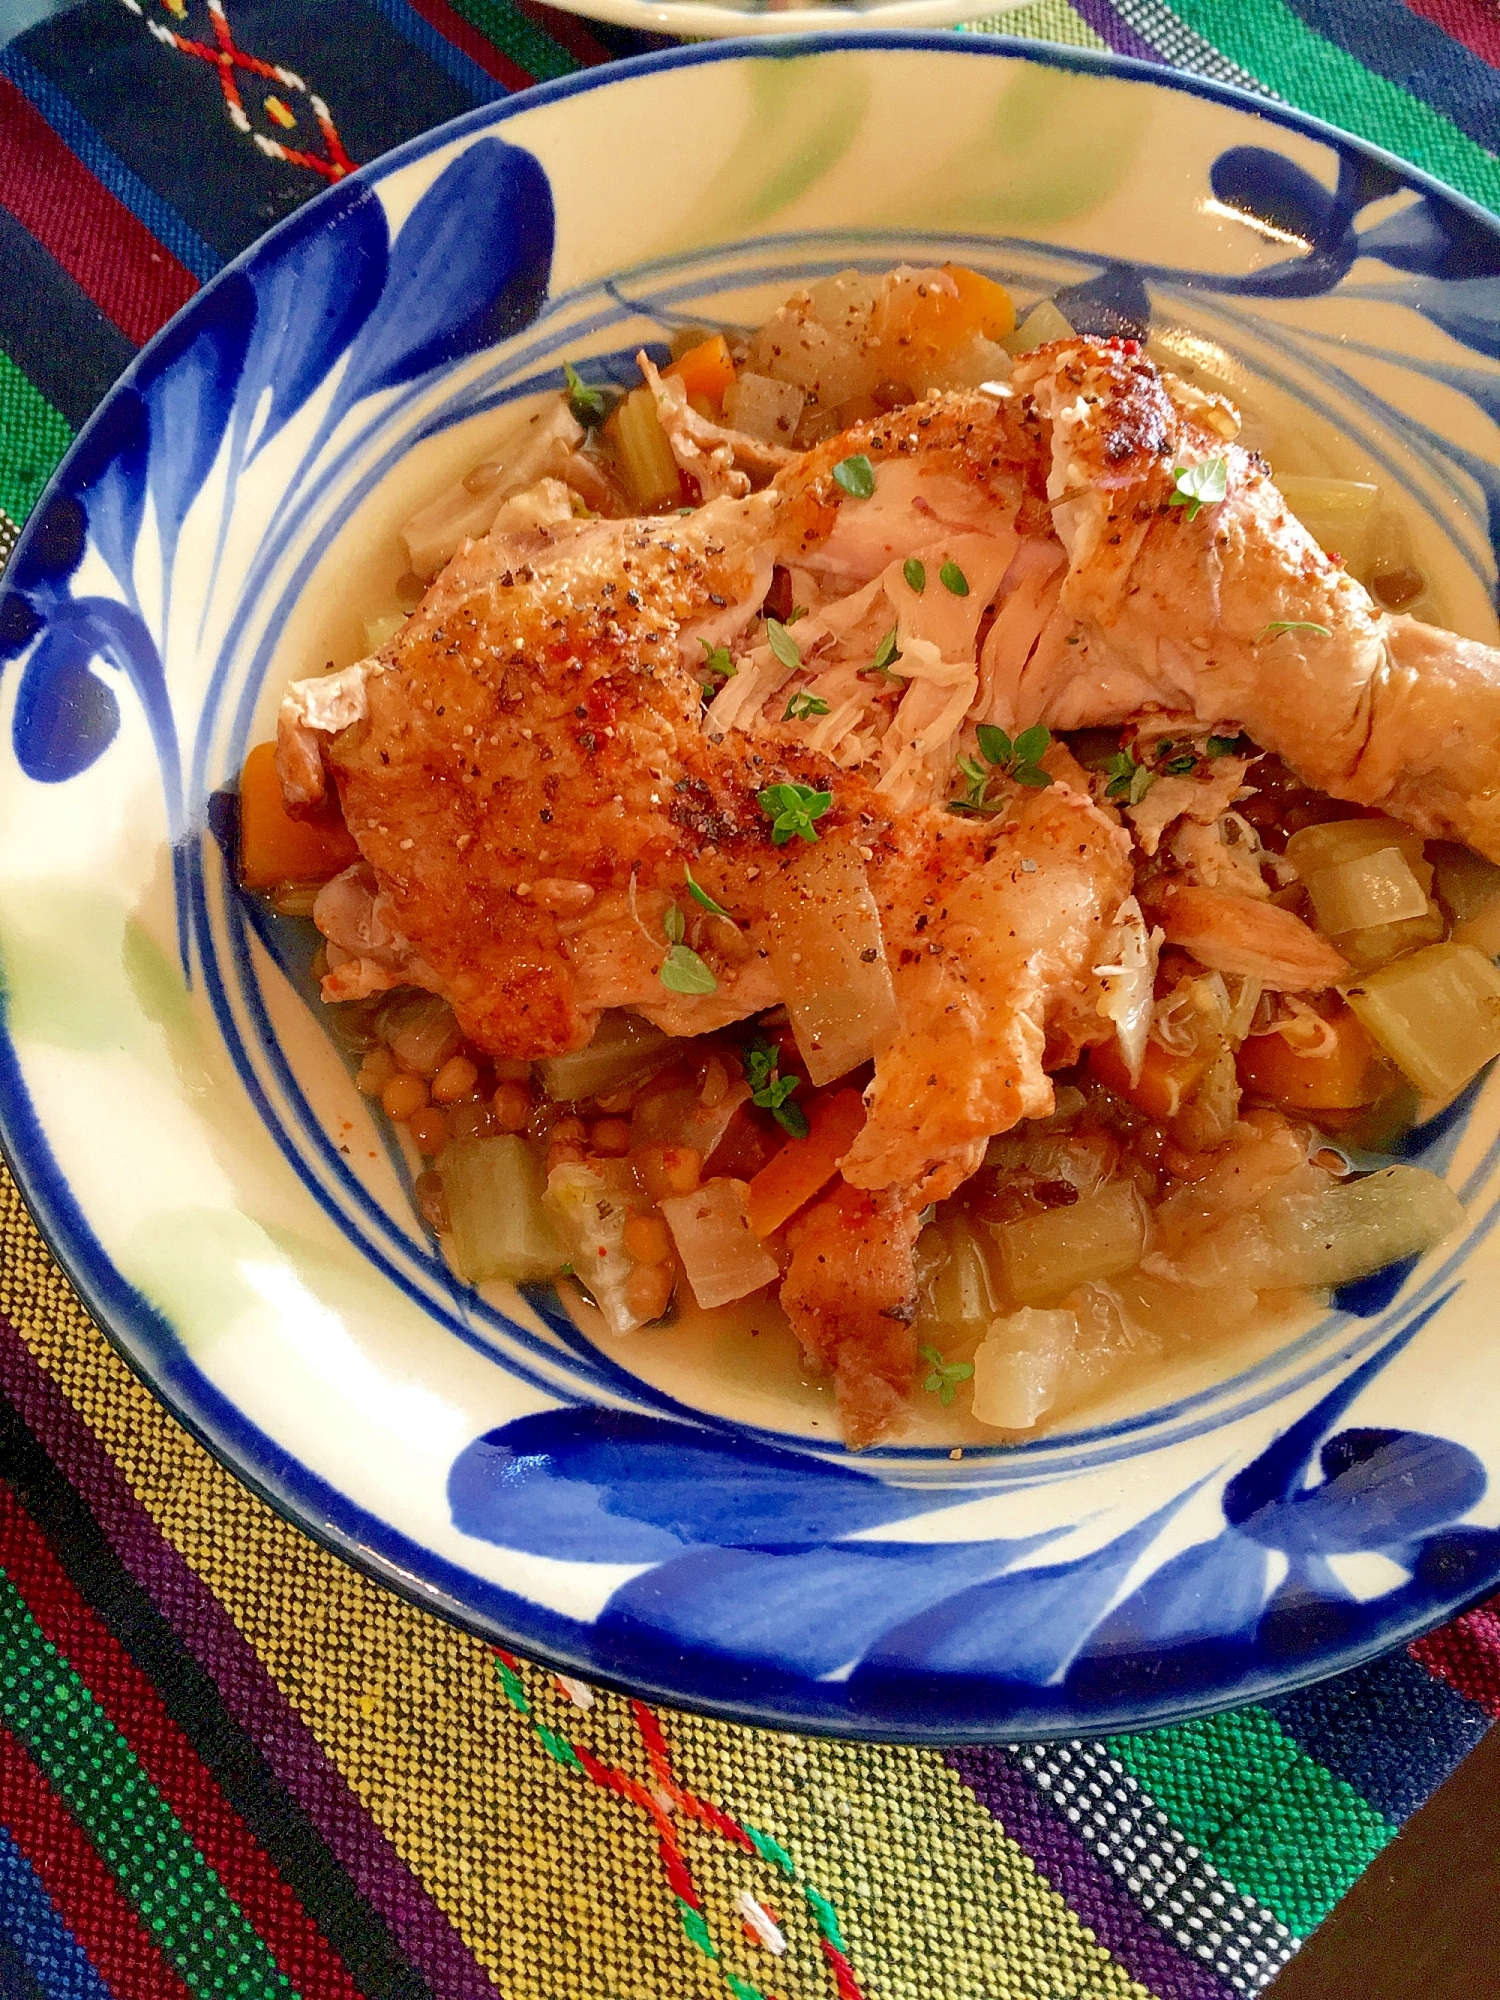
<point x="190" y="1137"/>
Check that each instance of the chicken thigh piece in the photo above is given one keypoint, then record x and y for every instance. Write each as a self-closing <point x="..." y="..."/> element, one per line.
<point x="1229" y="611"/>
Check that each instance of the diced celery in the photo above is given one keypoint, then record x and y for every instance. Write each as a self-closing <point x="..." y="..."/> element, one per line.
<point x="645" y="455"/>
<point x="590" y="1205"/>
<point x="1436" y="1013"/>
<point x="624" y="1046"/>
<point x="1339" y="514"/>
<point x="1377" y="888"/>
<point x="1019" y="1366"/>
<point x="1378" y="944"/>
<point x="1360" y="1226"/>
<point x="1313" y="849"/>
<point x="1043" y="323"/>
<point x="960" y="1294"/>
<point x="1047" y="1255"/>
<point x="499" y="1227"/>
<point x="723" y="1258"/>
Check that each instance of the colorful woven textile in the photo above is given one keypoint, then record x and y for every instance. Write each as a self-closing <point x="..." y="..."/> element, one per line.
<point x="231" y="1766"/>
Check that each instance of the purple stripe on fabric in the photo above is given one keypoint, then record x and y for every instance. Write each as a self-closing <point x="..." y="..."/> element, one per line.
<point x="1117" y="31"/>
<point x="422" y="1930"/>
<point x="1147" y="1953"/>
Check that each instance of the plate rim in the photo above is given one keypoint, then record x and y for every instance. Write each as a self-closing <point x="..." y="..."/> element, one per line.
<point x="304" y="1499"/>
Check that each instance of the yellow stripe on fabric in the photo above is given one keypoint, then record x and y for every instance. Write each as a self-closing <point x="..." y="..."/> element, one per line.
<point x="554" y="1884"/>
<point x="1042" y="21"/>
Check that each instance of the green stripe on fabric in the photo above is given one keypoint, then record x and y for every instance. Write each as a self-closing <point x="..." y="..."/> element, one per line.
<point x="86" y="1760"/>
<point x="1042" y="21"/>
<point x="33" y="437"/>
<point x="1283" y="52"/>
<point x="510" y="31"/>
<point x="1281" y="1827"/>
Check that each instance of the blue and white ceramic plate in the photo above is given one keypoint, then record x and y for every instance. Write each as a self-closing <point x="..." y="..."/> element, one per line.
<point x="190" y="1137"/>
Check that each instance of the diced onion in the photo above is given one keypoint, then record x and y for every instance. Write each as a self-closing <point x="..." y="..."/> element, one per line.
<point x="763" y="407"/>
<point x="828" y="956"/>
<point x="590" y="1205"/>
<point x="1436" y="1013"/>
<point x="677" y="1116"/>
<point x="539" y="445"/>
<point x="624" y="1046"/>
<point x="1129" y="984"/>
<point x="722" y="1257"/>
<point x="1047" y="1255"/>
<point x="1019" y="1365"/>
<point x="499" y="1226"/>
<point x="1370" y="889"/>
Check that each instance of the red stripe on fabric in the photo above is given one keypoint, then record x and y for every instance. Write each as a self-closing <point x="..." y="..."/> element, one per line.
<point x="1475" y="23"/>
<point x="1466" y="1654"/>
<point x="169" y="1760"/>
<point x="103" y="247"/>
<point x="567" y="30"/>
<point x="79" y="1885"/>
<point x="454" y="28"/>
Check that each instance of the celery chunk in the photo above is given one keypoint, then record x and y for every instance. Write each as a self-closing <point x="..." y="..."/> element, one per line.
<point x="500" y="1229"/>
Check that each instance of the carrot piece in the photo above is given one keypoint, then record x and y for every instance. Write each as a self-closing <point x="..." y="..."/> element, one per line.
<point x="707" y="369"/>
<point x="276" y="848"/>
<point x="989" y="308"/>
<point x="1166" y="1081"/>
<point x="802" y="1166"/>
<point x="1351" y="1075"/>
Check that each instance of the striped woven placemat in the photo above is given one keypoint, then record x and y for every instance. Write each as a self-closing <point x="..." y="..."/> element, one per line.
<point x="230" y="1765"/>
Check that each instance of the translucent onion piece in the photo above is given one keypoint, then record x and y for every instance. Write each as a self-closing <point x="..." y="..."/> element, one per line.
<point x="679" y="1117"/>
<point x="499" y="1226"/>
<point x="624" y="1046"/>
<point x="1360" y="1226"/>
<point x="723" y="1259"/>
<point x="959" y="1296"/>
<point x="590" y="1205"/>
<point x="1019" y="1365"/>
<point x="829" y="961"/>
<point x="1377" y="888"/>
<point x="540" y="444"/>
<point x="763" y="407"/>
<point x="1129" y="982"/>
<point x="1436" y="1013"/>
<point x="420" y="1031"/>
<point x="1098" y="1237"/>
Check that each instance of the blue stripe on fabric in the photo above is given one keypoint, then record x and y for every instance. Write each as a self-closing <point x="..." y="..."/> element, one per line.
<point x="165" y="224"/>
<point x="1390" y="1729"/>
<point x="462" y="69"/>
<point x="16" y="1981"/>
<point x="1400" y="45"/>
<point x="53" y="1956"/>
